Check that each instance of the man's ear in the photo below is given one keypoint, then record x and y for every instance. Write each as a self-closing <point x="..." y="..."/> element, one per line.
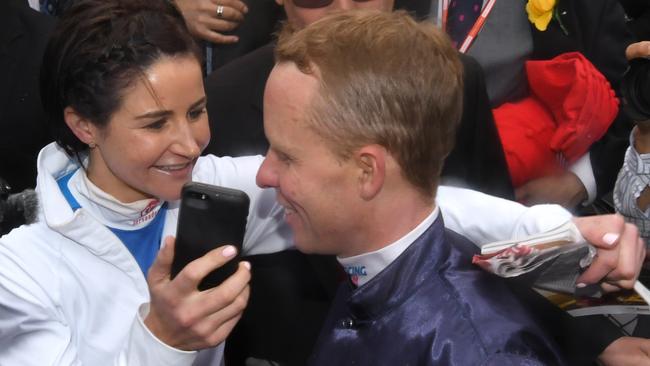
<point x="371" y="160"/>
<point x="280" y="2"/>
<point x="80" y="126"/>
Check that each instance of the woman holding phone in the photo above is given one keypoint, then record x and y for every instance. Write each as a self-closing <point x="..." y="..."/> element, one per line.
<point x="123" y="90"/>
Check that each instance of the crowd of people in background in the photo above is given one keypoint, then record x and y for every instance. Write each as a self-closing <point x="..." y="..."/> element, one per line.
<point x="381" y="142"/>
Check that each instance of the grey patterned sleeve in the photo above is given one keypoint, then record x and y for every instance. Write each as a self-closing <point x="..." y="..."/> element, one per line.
<point x="633" y="178"/>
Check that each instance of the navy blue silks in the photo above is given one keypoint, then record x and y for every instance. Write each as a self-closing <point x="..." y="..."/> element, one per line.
<point x="431" y="306"/>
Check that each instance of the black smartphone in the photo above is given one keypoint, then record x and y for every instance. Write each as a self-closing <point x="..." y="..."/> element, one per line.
<point x="210" y="216"/>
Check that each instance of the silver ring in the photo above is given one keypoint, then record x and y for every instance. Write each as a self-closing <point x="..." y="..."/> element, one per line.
<point x="219" y="11"/>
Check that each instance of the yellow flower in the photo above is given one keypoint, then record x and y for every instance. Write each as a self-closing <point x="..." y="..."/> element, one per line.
<point x="540" y="12"/>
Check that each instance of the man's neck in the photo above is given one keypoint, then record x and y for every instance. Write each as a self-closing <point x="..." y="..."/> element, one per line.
<point x="388" y="220"/>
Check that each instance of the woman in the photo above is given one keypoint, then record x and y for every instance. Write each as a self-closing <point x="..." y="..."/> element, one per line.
<point x="123" y="90"/>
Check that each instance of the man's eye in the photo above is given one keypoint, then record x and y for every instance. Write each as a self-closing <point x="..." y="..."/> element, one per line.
<point x="196" y="114"/>
<point x="284" y="158"/>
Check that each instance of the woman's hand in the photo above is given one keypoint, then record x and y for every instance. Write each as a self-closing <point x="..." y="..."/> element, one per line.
<point x="621" y="251"/>
<point x="188" y="319"/>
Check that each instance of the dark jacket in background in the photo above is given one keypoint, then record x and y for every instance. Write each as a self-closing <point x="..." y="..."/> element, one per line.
<point x="23" y="36"/>
<point x="420" y="9"/>
<point x="638" y="13"/>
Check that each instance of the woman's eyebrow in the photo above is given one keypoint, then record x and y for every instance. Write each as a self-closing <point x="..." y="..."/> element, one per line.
<point x="154" y="114"/>
<point x="197" y="103"/>
<point x="164" y="112"/>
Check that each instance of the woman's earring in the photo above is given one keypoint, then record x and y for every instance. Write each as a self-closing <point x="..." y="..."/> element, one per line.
<point x="92" y="145"/>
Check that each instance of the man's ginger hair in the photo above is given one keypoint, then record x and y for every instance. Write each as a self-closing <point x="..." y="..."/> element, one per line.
<point x="384" y="79"/>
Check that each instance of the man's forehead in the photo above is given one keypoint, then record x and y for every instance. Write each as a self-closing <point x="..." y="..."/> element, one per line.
<point x="289" y="86"/>
<point x="288" y="94"/>
<point x="289" y="69"/>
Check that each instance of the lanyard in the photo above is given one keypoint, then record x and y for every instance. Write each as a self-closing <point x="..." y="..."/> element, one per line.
<point x="473" y="32"/>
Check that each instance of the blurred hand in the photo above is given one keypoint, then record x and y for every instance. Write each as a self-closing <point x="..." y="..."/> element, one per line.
<point x="639" y="49"/>
<point x="621" y="251"/>
<point x="564" y="189"/>
<point x="203" y="22"/>
<point x="626" y="351"/>
<point x="188" y="319"/>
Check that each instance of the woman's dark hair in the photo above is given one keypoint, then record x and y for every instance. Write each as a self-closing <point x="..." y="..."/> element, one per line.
<point x="99" y="48"/>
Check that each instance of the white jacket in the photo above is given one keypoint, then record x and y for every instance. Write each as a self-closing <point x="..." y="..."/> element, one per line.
<point x="70" y="290"/>
<point x="72" y="294"/>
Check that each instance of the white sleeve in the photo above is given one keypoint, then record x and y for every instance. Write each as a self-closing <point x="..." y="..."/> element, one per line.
<point x="583" y="170"/>
<point x="154" y="352"/>
<point x="34" y="331"/>
<point x="483" y="219"/>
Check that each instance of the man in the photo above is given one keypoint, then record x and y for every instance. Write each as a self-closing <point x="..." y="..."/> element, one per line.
<point x="291" y="292"/>
<point x="360" y="112"/>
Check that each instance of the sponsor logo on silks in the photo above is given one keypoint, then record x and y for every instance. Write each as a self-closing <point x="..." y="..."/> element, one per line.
<point x="355" y="272"/>
<point x="147" y="214"/>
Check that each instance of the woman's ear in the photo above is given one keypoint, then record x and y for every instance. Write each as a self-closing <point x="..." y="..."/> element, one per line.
<point x="371" y="160"/>
<point x="80" y="126"/>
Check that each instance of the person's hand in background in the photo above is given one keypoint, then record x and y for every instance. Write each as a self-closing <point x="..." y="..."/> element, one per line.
<point x="209" y="19"/>
<point x="626" y="351"/>
<point x="564" y="189"/>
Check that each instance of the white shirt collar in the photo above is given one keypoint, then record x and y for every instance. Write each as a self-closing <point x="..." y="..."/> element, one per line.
<point x="364" y="267"/>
